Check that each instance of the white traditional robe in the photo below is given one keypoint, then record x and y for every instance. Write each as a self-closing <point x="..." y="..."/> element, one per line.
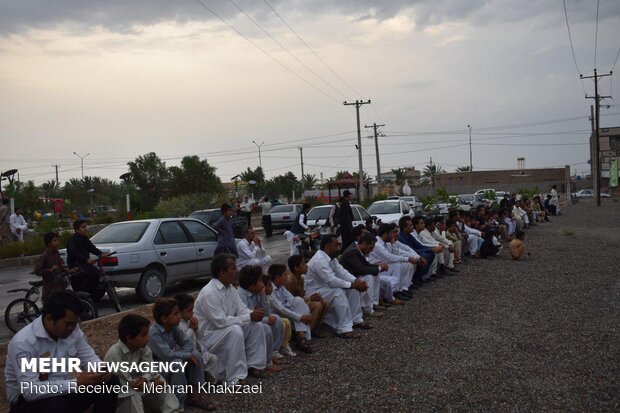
<point x="287" y="305"/>
<point x="226" y="330"/>
<point x="327" y="277"/>
<point x="252" y="254"/>
<point x="448" y="256"/>
<point x="475" y="239"/>
<point x="18" y="221"/>
<point x="293" y="241"/>
<point x="400" y="271"/>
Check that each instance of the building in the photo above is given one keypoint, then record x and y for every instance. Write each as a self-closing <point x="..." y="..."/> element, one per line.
<point x="510" y="180"/>
<point x="609" y="148"/>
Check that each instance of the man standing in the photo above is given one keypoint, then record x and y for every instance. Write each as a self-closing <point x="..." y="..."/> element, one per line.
<point x="18" y="224"/>
<point x="55" y="333"/>
<point x="328" y="278"/>
<point x="265" y="207"/>
<point x="5" y="227"/>
<point x="227" y="328"/>
<point x="251" y="251"/>
<point x="246" y="209"/>
<point x="346" y="220"/>
<point x="225" y="235"/>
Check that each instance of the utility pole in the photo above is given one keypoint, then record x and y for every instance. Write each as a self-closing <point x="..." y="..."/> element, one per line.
<point x="597" y="109"/>
<point x="301" y="154"/>
<point x="57" y="181"/>
<point x="81" y="161"/>
<point x="358" y="103"/>
<point x="471" y="163"/>
<point x="374" y="126"/>
<point x="260" y="161"/>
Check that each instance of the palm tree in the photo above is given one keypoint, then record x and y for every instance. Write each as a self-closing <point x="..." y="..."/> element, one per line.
<point x="463" y="169"/>
<point x="400" y="174"/>
<point x="309" y="181"/>
<point x="429" y="174"/>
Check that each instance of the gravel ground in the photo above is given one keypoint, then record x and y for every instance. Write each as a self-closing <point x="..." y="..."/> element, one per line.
<point x="537" y="335"/>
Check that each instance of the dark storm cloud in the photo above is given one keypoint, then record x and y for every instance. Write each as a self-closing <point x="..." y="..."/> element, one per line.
<point x="122" y="15"/>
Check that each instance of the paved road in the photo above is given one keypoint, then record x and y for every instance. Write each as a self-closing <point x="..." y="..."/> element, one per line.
<point x="18" y="277"/>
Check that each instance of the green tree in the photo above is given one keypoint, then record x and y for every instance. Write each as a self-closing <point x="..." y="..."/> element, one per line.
<point x="150" y="175"/>
<point x="309" y="181"/>
<point x="400" y="174"/>
<point x="429" y="173"/>
<point x="50" y="189"/>
<point x="194" y="176"/>
<point x="283" y="185"/>
<point x="27" y="196"/>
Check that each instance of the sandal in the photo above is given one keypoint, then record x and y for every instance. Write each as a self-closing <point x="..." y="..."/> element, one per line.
<point x="350" y="334"/>
<point x="303" y="345"/>
<point x="363" y="325"/>
<point x="256" y="373"/>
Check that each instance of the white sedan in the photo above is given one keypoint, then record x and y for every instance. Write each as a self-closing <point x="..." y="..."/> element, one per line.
<point x="390" y="210"/>
<point x="589" y="193"/>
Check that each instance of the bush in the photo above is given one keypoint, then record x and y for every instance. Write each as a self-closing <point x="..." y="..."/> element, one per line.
<point x="528" y="193"/>
<point x="104" y="219"/>
<point x="32" y="245"/>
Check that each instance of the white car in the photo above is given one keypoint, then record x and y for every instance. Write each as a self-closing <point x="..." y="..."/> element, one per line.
<point x="481" y="192"/>
<point x="589" y="193"/>
<point x="318" y="215"/>
<point x="390" y="210"/>
<point x="414" y="203"/>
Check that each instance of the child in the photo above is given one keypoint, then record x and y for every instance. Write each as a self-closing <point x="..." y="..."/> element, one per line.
<point x="49" y="266"/>
<point x="453" y="234"/>
<point x="295" y="284"/>
<point x="251" y="293"/>
<point x="517" y="248"/>
<point x="189" y="326"/>
<point x="489" y="246"/>
<point x="285" y="348"/>
<point x="294" y="308"/>
<point x="294" y="243"/>
<point x="168" y="343"/>
<point x="133" y="334"/>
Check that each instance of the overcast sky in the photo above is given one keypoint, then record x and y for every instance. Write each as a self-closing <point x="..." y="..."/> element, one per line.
<point x="120" y="78"/>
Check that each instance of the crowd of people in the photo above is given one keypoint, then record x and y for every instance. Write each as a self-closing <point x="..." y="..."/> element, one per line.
<point x="254" y="312"/>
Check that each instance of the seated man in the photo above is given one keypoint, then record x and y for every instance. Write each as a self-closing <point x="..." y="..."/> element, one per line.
<point x="430" y="238"/>
<point x="18" y="224"/>
<point x="427" y="264"/>
<point x="354" y="261"/>
<point x="251" y="251"/>
<point x="419" y="226"/>
<point x="55" y="333"/>
<point x="401" y="267"/>
<point x="251" y="292"/>
<point x="520" y="215"/>
<point x="227" y="328"/>
<point x="328" y="278"/>
<point x="474" y="237"/>
<point x="79" y="249"/>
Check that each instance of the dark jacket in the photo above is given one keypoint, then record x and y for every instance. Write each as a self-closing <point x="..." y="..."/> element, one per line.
<point x="225" y="237"/>
<point x="354" y="261"/>
<point x="79" y="249"/>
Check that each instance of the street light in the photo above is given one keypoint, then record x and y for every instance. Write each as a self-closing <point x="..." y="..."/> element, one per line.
<point x="126" y="177"/>
<point x="9" y="176"/>
<point x="260" y="163"/>
<point x="471" y="164"/>
<point x="81" y="161"/>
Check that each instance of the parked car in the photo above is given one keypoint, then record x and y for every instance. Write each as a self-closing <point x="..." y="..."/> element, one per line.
<point x="472" y="199"/>
<point x="318" y="215"/>
<point x="414" y="203"/>
<point x="210" y="216"/>
<point x="589" y="193"/>
<point x="152" y="254"/>
<point x="390" y="210"/>
<point x="283" y="216"/>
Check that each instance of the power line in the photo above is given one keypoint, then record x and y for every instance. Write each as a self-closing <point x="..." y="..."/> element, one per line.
<point x="287" y="50"/>
<point x="312" y="51"/>
<point x="570" y="38"/>
<point x="266" y="52"/>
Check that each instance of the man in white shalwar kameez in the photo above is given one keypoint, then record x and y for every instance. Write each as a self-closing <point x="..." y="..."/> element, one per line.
<point x="327" y="277"/>
<point x="401" y="265"/>
<point x="251" y="251"/>
<point x="226" y="327"/>
<point x="475" y="240"/>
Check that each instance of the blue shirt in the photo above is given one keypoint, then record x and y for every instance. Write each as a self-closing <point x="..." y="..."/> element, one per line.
<point x="225" y="237"/>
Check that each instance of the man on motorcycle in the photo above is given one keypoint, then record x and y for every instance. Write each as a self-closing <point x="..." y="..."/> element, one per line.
<point x="79" y="249"/>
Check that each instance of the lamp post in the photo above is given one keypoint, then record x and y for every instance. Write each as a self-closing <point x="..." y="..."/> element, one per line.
<point x="260" y="162"/>
<point x="236" y="181"/>
<point x="92" y="202"/>
<point x="471" y="164"/>
<point x="9" y="176"/>
<point x="81" y="161"/>
<point x="126" y="177"/>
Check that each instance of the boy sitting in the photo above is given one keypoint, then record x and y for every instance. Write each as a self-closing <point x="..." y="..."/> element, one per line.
<point x="49" y="266"/>
<point x="517" y="248"/>
<point x="285" y="348"/>
<point x="294" y="308"/>
<point x="168" y="343"/>
<point x="252" y="295"/>
<point x="295" y="284"/>
<point x="133" y="334"/>
<point x="189" y="326"/>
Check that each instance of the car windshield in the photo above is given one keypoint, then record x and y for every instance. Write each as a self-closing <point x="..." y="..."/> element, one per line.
<point x="120" y="233"/>
<point x="384" y="208"/>
<point x="467" y="197"/>
<point x="319" y="213"/>
<point x="408" y="199"/>
<point x="282" y="208"/>
<point x="205" y="216"/>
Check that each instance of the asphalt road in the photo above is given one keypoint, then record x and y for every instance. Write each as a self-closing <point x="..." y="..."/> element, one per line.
<point x="19" y="277"/>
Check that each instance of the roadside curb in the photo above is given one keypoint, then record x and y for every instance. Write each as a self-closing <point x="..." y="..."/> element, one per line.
<point x="18" y="261"/>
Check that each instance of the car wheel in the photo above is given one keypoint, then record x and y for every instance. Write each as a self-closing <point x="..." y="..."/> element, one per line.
<point x="152" y="285"/>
